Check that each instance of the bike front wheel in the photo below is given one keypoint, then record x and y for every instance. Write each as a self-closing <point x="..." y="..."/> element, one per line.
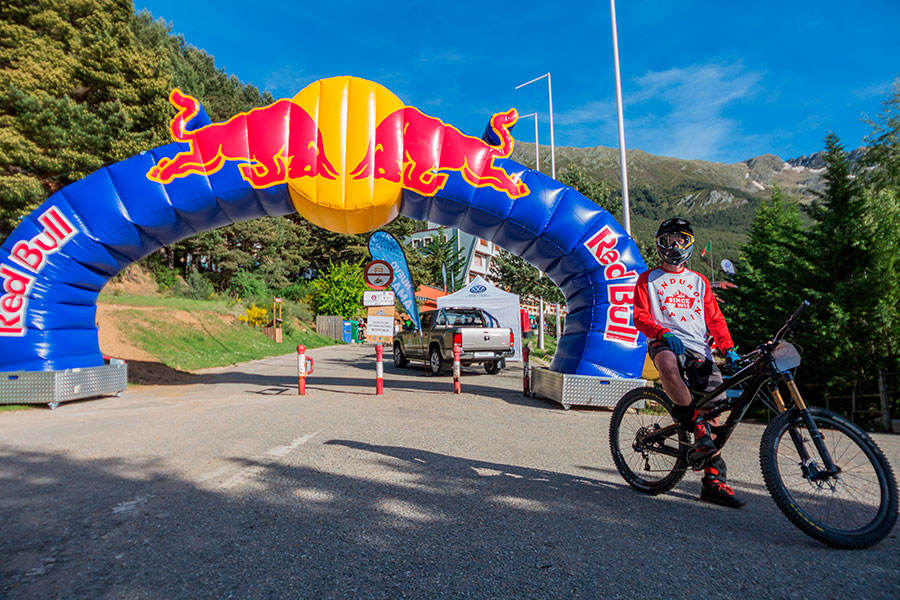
<point x="647" y="446"/>
<point x="855" y="508"/>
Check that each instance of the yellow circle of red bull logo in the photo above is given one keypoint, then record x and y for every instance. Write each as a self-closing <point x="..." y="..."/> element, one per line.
<point x="347" y="111"/>
<point x="346" y="147"/>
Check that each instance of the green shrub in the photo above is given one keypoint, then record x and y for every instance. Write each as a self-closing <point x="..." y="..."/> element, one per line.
<point x="295" y="292"/>
<point x="245" y="284"/>
<point x="196" y="287"/>
<point x="165" y="278"/>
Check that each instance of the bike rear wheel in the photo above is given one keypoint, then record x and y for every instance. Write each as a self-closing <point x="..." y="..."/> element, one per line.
<point x="854" y="509"/>
<point x="651" y="465"/>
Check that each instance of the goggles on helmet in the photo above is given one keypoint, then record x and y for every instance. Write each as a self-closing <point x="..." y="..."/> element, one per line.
<point x="679" y="239"/>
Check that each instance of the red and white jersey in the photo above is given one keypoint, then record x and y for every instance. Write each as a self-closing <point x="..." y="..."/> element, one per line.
<point x="682" y="303"/>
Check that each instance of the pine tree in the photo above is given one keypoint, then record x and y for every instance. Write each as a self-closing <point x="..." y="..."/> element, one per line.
<point x="520" y="277"/>
<point x="769" y="273"/>
<point x="854" y="277"/>
<point x="883" y="152"/>
<point x="441" y="256"/>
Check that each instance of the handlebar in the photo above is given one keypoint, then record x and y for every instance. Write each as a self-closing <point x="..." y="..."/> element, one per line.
<point x="789" y="325"/>
<point x="792" y="322"/>
<point x="803" y="306"/>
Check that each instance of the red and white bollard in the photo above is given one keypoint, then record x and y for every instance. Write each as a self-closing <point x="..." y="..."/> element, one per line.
<point x="457" y="350"/>
<point x="305" y="366"/>
<point x="379" y="369"/>
<point x="526" y="372"/>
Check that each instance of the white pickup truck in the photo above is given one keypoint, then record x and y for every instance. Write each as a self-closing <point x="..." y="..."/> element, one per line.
<point x="475" y="330"/>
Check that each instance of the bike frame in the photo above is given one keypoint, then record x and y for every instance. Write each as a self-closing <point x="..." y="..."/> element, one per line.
<point x="762" y="372"/>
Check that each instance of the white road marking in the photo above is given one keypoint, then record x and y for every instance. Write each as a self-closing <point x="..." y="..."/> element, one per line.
<point x="242" y="475"/>
<point x="282" y="451"/>
<point x="130" y="505"/>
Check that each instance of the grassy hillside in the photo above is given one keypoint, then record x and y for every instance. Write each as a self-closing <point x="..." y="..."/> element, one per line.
<point x="186" y="335"/>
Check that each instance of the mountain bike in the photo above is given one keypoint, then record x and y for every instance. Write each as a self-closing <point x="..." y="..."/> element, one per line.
<point x="825" y="473"/>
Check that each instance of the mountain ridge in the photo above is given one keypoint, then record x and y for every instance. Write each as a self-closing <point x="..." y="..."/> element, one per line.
<point x="720" y="199"/>
<point x="755" y="178"/>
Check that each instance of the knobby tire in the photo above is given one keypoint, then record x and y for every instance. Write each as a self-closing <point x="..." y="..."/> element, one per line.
<point x="630" y="462"/>
<point x="865" y="496"/>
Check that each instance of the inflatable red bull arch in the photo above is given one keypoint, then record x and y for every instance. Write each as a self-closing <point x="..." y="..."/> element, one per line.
<point x="349" y="156"/>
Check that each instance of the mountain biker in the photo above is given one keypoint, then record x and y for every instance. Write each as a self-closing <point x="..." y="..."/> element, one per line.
<point x="674" y="307"/>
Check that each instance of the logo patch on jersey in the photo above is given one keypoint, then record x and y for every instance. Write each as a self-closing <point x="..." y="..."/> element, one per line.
<point x="680" y="300"/>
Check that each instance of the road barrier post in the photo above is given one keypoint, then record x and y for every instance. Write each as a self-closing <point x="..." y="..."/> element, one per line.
<point x="526" y="372"/>
<point x="305" y="366"/>
<point x="379" y="369"/>
<point x="457" y="350"/>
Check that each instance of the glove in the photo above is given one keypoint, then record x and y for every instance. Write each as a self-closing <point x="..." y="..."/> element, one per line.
<point x="732" y="356"/>
<point x="675" y="344"/>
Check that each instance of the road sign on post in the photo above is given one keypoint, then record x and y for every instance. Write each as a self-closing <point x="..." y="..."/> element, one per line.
<point x="380" y="325"/>
<point x="377" y="298"/>
<point x="378" y="274"/>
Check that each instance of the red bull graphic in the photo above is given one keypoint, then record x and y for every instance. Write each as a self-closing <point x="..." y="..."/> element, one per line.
<point x="276" y="143"/>
<point x="31" y="255"/>
<point x="412" y="148"/>
<point x="619" y="325"/>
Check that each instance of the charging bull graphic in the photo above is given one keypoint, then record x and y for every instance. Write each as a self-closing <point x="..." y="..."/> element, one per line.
<point x="348" y="155"/>
<point x="412" y="148"/>
<point x="275" y="144"/>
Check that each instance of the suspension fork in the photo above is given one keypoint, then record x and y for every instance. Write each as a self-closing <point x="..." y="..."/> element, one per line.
<point x="816" y="435"/>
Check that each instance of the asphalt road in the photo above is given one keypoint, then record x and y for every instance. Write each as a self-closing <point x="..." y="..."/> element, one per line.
<point x="235" y="487"/>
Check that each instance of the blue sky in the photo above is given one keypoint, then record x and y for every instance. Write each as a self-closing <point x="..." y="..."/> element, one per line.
<point x="710" y="80"/>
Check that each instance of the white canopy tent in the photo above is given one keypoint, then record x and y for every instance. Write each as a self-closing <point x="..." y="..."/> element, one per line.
<point x="502" y="305"/>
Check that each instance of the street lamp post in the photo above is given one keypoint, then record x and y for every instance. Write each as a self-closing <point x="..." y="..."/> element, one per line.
<point x="537" y="153"/>
<point x="626" y="215"/>
<point x="552" y="147"/>
<point x="553" y="175"/>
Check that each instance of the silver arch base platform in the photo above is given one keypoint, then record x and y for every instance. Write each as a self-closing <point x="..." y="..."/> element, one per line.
<point x="580" y="390"/>
<point x="53" y="387"/>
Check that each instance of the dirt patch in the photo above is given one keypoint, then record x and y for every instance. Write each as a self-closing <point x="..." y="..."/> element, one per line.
<point x="143" y="368"/>
<point x="112" y="341"/>
<point x="133" y="280"/>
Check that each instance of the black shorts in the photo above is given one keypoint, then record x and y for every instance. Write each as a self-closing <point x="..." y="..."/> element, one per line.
<point x="703" y="375"/>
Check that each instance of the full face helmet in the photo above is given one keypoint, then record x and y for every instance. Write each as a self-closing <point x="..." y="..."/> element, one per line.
<point x="675" y="241"/>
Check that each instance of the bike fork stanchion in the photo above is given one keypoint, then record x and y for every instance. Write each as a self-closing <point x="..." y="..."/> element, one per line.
<point x="456" y="368"/>
<point x="379" y="370"/>
<point x="526" y="372"/>
<point x="305" y="366"/>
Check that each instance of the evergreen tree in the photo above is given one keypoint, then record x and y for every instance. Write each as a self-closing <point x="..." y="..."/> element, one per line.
<point x="840" y="280"/>
<point x="769" y="273"/>
<point x="518" y="276"/>
<point x="327" y="246"/>
<point x="883" y="152"/>
<point x="77" y="91"/>
<point x="593" y="189"/>
<point x="441" y="256"/>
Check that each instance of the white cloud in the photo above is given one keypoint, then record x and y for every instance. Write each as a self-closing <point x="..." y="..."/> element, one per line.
<point x="877" y="90"/>
<point x="678" y="112"/>
<point x="444" y="57"/>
